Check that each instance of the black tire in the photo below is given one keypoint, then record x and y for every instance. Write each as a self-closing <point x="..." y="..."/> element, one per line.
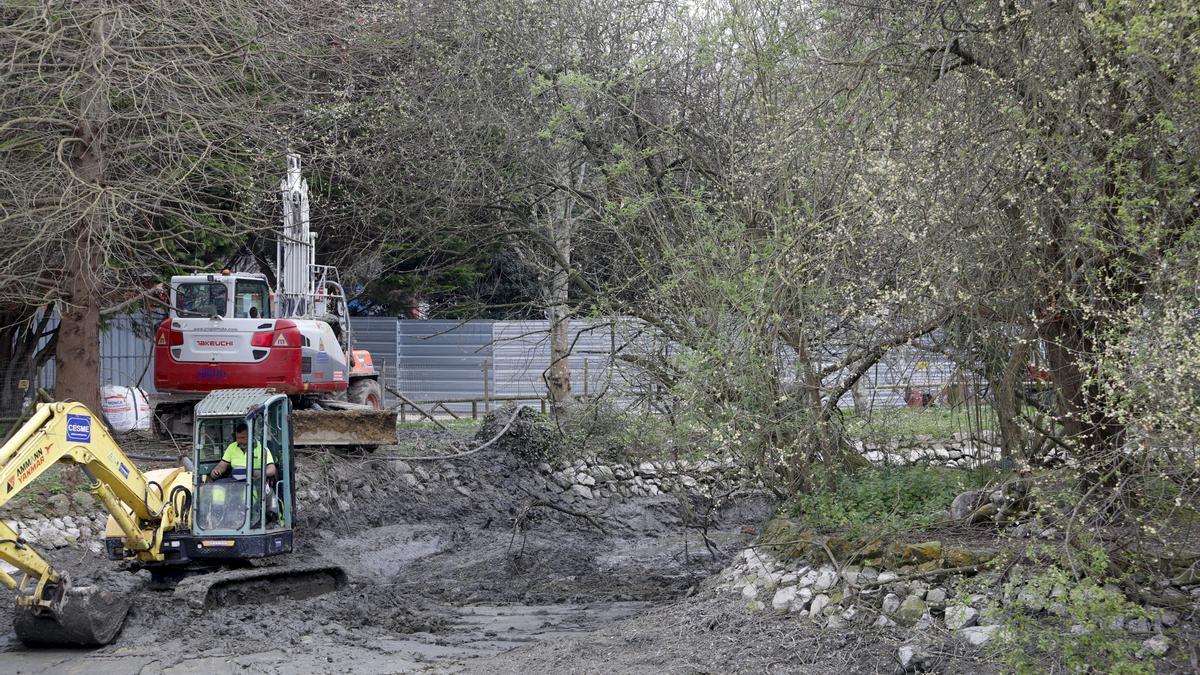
<point x="366" y="391"/>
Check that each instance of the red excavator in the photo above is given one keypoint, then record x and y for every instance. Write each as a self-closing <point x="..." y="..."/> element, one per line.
<point x="230" y="331"/>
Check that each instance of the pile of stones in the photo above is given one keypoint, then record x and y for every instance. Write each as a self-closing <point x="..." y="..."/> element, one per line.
<point x="837" y="597"/>
<point x="590" y="478"/>
<point x="62" y="521"/>
<point x="950" y="453"/>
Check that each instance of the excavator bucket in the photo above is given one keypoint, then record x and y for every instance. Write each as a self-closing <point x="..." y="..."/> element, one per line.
<point x="85" y="616"/>
<point x="359" y="425"/>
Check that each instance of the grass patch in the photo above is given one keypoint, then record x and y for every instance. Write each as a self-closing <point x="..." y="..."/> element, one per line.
<point x="889" y="498"/>
<point x="456" y="425"/>
<point x="935" y="422"/>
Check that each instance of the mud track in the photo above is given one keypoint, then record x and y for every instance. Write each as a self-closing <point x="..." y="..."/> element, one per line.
<point x="438" y="581"/>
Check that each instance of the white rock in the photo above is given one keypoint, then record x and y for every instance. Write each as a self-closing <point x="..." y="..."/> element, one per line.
<point x="582" y="491"/>
<point x="907" y="654"/>
<point x="68" y="522"/>
<point x="783" y="599"/>
<point x="803" y="597"/>
<point x="410" y="480"/>
<point x="891" y="603"/>
<point x="884" y="622"/>
<point x="936" y="597"/>
<point x="749" y="592"/>
<point x="543" y="468"/>
<point x="887" y="577"/>
<point x="978" y="636"/>
<point x="850" y="612"/>
<point x="1138" y="626"/>
<point x="807" y="579"/>
<point x="960" y="616"/>
<point x="1158" y="645"/>
<point x="827" y="577"/>
<point x="851" y="574"/>
<point x="818" y="605"/>
<point x="585" y="479"/>
<point x="647" y="469"/>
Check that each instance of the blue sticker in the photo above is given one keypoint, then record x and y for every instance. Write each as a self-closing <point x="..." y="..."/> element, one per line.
<point x="79" y="428"/>
<point x="212" y="375"/>
<point x="322" y="357"/>
<point x="123" y="469"/>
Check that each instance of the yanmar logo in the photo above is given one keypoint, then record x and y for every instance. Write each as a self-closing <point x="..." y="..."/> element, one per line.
<point x="214" y="343"/>
<point x="26" y="468"/>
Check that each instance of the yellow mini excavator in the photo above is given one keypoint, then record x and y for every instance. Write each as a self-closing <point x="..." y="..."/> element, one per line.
<point x="211" y="539"/>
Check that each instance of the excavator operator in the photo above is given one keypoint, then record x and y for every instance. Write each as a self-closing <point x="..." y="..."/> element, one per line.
<point x="234" y="458"/>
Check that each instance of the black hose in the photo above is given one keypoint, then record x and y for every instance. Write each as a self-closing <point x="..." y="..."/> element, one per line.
<point x="187" y="499"/>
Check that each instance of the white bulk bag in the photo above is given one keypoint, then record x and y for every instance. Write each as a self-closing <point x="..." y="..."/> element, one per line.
<point x="125" y="408"/>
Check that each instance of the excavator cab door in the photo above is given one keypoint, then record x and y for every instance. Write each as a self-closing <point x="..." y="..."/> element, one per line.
<point x="255" y="495"/>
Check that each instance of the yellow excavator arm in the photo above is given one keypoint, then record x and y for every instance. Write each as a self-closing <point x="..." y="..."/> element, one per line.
<point x="71" y="434"/>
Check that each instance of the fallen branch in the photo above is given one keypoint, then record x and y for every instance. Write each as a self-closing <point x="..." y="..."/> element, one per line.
<point x="419" y="409"/>
<point x="562" y="509"/>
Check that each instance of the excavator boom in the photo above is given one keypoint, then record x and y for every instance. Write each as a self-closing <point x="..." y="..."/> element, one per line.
<point x="49" y="609"/>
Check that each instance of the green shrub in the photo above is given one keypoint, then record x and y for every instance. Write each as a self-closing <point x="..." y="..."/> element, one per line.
<point x="893" y="498"/>
<point x="1082" y="632"/>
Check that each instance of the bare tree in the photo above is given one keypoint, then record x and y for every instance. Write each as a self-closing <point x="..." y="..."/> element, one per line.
<point x="130" y="135"/>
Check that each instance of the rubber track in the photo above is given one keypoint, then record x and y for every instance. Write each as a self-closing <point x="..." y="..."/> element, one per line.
<point x="257" y="585"/>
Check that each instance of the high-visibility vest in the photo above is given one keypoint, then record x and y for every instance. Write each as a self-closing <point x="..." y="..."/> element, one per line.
<point x="237" y="459"/>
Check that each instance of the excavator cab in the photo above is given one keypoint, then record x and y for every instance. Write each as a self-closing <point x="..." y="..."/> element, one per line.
<point x="248" y="511"/>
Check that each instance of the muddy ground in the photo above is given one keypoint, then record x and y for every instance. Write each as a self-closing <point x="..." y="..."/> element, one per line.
<point x="438" y="581"/>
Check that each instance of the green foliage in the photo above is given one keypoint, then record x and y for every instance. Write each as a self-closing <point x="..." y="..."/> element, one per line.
<point x="1084" y="633"/>
<point x="888" y="498"/>
<point x="937" y="422"/>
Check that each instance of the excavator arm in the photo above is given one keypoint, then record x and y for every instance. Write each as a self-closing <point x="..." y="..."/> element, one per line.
<point x="70" y="434"/>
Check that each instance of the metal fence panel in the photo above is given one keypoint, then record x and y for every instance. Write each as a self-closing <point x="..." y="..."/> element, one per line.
<point x="380" y="335"/>
<point x="127" y="349"/>
<point x="522" y="356"/>
<point x="444" y="360"/>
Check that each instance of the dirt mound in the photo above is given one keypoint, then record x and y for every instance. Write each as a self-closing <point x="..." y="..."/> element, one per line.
<point x="530" y="436"/>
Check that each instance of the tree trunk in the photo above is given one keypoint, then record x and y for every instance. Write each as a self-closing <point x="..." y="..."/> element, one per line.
<point x="1007" y="401"/>
<point x="562" y="219"/>
<point x="1090" y="429"/>
<point x="77" y="358"/>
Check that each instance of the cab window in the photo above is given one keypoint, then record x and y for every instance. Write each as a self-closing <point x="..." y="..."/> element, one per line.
<point x="202" y="299"/>
<point x="219" y="505"/>
<point x="252" y="300"/>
